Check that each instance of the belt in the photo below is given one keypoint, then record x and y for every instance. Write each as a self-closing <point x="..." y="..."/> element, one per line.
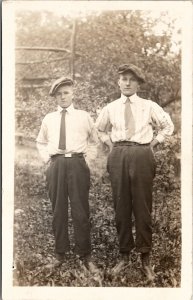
<point x="127" y="143"/>
<point x="75" y="154"/>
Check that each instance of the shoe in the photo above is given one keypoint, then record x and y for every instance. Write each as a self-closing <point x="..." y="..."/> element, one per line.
<point x="146" y="266"/>
<point x="57" y="261"/>
<point x="60" y="256"/>
<point x="89" y="264"/>
<point x="122" y="264"/>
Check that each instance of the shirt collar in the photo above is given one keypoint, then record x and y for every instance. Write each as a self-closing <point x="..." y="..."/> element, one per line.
<point x="69" y="109"/>
<point x="132" y="98"/>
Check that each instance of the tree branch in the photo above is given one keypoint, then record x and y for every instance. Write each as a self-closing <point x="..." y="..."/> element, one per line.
<point x="41" y="61"/>
<point x="45" y="49"/>
<point x="168" y="102"/>
<point x="34" y="86"/>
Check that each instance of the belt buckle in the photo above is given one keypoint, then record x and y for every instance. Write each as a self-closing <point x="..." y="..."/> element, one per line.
<point x="68" y="154"/>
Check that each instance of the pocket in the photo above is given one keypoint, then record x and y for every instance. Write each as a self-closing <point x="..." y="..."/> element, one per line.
<point x="47" y="171"/>
<point x="152" y="157"/>
<point x="85" y="171"/>
<point x="108" y="160"/>
<point x="84" y="163"/>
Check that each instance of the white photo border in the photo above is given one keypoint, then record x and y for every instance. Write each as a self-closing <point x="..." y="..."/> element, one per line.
<point x="8" y="143"/>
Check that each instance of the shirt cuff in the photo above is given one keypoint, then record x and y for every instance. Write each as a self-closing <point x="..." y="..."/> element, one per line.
<point x="160" y="138"/>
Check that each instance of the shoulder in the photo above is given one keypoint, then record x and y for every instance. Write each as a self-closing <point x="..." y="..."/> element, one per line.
<point x="147" y="102"/>
<point x="143" y="100"/>
<point x="50" y="115"/>
<point x="154" y="105"/>
<point x="82" y="113"/>
<point x="113" y="104"/>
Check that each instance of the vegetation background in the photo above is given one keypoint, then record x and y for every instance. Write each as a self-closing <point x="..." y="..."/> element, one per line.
<point x="90" y="47"/>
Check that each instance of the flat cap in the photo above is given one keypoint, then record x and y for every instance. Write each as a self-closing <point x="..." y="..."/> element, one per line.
<point x="132" y="68"/>
<point x="59" y="82"/>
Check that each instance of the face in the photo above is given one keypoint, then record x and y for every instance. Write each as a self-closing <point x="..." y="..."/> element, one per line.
<point x="128" y="83"/>
<point x="64" y="95"/>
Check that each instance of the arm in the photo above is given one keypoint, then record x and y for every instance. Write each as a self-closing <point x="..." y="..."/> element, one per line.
<point x="104" y="126"/>
<point x="163" y="122"/>
<point x="42" y="149"/>
<point x="42" y="142"/>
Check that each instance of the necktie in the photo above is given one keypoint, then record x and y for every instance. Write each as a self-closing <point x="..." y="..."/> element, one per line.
<point x="129" y="120"/>
<point x="62" y="141"/>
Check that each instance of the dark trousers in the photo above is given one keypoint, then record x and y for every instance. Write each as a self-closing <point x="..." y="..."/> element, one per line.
<point x="131" y="170"/>
<point x="69" y="177"/>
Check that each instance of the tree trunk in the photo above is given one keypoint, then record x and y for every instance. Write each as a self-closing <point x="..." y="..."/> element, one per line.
<point x="73" y="44"/>
<point x="169" y="101"/>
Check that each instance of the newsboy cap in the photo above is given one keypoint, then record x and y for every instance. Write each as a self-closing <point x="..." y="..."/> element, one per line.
<point x="59" y="82"/>
<point x="132" y="68"/>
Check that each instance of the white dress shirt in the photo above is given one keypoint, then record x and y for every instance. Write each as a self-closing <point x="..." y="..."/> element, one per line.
<point x="80" y="130"/>
<point x="147" y="115"/>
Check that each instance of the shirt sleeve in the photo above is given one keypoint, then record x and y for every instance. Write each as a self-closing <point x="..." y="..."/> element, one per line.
<point x="42" y="141"/>
<point x="162" y="121"/>
<point x="103" y="125"/>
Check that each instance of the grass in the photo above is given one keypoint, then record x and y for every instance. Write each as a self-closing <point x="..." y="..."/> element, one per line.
<point x="34" y="242"/>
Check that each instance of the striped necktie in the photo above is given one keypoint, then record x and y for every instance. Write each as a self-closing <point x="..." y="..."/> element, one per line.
<point x="129" y="120"/>
<point x="62" y="141"/>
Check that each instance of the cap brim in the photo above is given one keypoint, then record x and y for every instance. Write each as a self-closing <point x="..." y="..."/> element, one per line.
<point x="57" y="84"/>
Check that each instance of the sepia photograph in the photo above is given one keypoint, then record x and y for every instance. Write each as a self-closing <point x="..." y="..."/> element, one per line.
<point x="97" y="160"/>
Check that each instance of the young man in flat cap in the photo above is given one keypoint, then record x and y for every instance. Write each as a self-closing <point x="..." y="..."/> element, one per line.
<point x="62" y="143"/>
<point x="131" y="163"/>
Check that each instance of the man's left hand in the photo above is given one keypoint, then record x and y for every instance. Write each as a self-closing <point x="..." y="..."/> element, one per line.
<point x="153" y="144"/>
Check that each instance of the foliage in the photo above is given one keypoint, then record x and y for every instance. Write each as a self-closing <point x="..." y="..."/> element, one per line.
<point x="33" y="238"/>
<point x="103" y="42"/>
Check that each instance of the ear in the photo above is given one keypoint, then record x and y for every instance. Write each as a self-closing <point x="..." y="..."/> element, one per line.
<point x="119" y="82"/>
<point x="138" y="87"/>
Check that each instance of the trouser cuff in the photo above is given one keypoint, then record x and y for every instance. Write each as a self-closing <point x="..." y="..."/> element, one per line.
<point x="125" y="250"/>
<point x="144" y="249"/>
